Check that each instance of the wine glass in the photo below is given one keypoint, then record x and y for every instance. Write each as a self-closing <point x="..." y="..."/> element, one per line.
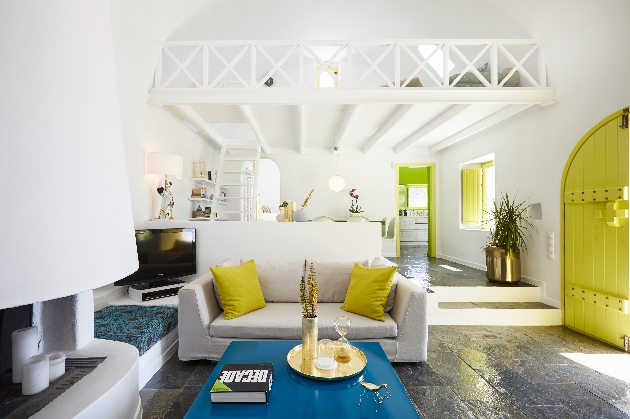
<point x="342" y="326"/>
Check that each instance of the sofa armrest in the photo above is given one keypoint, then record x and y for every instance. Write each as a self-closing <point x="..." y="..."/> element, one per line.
<point x="410" y="313"/>
<point x="198" y="307"/>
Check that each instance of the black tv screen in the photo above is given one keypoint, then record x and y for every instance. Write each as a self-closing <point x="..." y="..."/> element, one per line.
<point x="163" y="254"/>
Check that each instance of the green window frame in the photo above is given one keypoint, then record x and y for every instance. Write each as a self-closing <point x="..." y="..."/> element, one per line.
<point x="475" y="205"/>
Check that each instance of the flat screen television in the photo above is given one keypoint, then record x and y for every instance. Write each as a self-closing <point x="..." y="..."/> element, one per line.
<point x="163" y="254"/>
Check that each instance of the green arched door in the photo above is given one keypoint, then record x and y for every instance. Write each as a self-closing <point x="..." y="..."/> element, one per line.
<point x="595" y="233"/>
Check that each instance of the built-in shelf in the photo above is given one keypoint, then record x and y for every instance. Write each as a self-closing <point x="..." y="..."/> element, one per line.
<point x="200" y="199"/>
<point x="204" y="180"/>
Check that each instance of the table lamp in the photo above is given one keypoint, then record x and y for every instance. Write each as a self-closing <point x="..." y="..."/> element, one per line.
<point x="165" y="164"/>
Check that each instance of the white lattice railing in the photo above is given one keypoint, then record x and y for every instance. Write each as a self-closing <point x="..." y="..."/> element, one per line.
<point x="350" y="64"/>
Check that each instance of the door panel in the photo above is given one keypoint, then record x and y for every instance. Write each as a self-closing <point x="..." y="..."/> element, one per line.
<point x="596" y="251"/>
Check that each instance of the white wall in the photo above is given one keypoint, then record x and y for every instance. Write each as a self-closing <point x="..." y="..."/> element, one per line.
<point x="372" y="175"/>
<point x="586" y="63"/>
<point x="269" y="185"/>
<point x="139" y="29"/>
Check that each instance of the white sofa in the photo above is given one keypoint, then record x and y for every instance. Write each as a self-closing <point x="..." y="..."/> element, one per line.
<point x="205" y="334"/>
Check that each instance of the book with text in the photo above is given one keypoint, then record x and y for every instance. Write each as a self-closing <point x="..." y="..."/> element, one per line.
<point x="243" y="383"/>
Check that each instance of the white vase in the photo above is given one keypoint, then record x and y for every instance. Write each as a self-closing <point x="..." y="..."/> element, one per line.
<point x="356" y="218"/>
<point x="300" y="216"/>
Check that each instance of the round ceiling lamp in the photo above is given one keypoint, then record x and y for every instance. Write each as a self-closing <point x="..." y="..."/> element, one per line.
<point x="336" y="183"/>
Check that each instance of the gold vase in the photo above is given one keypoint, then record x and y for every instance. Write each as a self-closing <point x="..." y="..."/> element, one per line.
<point x="309" y="338"/>
<point x="290" y="211"/>
<point x="502" y="267"/>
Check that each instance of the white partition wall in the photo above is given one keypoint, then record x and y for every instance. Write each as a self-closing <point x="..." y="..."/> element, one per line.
<point x="217" y="241"/>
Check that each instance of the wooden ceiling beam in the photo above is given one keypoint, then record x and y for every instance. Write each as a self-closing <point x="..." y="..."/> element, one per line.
<point x="402" y="111"/>
<point x="352" y="111"/>
<point x="207" y="130"/>
<point x="488" y="121"/>
<point x="430" y="126"/>
<point x="302" y="132"/>
<point x="249" y="116"/>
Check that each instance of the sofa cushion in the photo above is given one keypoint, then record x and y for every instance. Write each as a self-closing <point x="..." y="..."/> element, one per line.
<point x="280" y="280"/>
<point x="284" y="321"/>
<point x="380" y="262"/>
<point x="333" y="279"/>
<point x="239" y="289"/>
<point x="368" y="291"/>
<point x="226" y="262"/>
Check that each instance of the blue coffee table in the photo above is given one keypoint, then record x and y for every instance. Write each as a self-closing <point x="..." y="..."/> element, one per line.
<point x="294" y="396"/>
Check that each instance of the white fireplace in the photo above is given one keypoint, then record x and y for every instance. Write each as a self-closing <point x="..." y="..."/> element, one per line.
<point x="66" y="210"/>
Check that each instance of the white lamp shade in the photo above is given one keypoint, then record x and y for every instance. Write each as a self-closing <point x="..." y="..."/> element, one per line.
<point x="336" y="183"/>
<point x="67" y="223"/>
<point x="165" y="164"/>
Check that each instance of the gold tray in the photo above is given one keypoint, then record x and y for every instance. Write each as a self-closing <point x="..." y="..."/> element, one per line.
<point x="354" y="367"/>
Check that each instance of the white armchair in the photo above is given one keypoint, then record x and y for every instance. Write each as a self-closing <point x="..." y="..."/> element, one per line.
<point x="389" y="241"/>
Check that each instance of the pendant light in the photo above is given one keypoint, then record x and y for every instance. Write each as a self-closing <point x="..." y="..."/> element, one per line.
<point x="336" y="183"/>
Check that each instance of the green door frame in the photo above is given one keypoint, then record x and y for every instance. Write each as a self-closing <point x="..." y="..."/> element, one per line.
<point x="432" y="200"/>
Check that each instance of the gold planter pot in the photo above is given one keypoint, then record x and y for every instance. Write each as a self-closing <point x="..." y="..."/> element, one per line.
<point x="502" y="267"/>
<point x="309" y="338"/>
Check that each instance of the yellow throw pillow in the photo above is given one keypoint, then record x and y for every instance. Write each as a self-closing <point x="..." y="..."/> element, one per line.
<point x="239" y="288"/>
<point x="368" y="290"/>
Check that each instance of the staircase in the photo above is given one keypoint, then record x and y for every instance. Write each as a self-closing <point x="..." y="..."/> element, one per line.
<point x="231" y="172"/>
<point x="487" y="304"/>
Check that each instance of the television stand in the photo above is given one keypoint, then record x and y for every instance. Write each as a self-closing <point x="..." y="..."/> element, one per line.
<point x="155" y="290"/>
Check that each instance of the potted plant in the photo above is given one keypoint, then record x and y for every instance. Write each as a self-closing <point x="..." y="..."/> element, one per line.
<point x="508" y="237"/>
<point x="355" y="209"/>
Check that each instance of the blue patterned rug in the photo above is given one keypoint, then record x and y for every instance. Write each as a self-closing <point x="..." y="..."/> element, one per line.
<point x="140" y="326"/>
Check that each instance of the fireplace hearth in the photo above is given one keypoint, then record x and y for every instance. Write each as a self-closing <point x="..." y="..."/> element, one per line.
<point x="14" y="405"/>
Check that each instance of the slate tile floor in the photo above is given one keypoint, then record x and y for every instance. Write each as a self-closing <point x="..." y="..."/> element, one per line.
<point x="484" y="372"/>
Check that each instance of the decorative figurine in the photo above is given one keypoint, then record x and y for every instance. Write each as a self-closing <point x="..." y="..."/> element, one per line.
<point x="373" y="388"/>
<point x="166" y="211"/>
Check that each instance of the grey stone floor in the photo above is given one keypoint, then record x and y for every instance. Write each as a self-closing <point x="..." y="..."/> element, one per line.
<point x="484" y="372"/>
<point x="429" y="272"/>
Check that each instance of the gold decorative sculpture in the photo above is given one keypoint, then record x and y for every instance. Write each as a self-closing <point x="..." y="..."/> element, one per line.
<point x="308" y="298"/>
<point x="305" y="203"/>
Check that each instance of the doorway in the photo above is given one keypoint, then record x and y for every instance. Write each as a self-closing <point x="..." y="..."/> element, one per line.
<point x="594" y="265"/>
<point x="415" y="197"/>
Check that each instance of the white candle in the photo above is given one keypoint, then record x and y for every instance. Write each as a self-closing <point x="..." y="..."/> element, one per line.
<point x="57" y="365"/>
<point x="35" y="376"/>
<point x="24" y="343"/>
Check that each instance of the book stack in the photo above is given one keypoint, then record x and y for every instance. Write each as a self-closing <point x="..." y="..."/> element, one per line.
<point x="198" y="193"/>
<point x="243" y="383"/>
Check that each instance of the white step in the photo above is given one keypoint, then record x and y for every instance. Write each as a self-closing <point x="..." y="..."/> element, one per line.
<point x="486" y="306"/>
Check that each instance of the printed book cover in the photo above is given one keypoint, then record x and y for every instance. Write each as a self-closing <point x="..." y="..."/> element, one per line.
<point x="243" y="383"/>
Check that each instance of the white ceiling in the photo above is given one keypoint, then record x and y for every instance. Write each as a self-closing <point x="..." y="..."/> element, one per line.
<point x="354" y="127"/>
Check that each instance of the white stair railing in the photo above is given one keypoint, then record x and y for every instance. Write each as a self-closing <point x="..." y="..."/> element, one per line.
<point x="234" y="154"/>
